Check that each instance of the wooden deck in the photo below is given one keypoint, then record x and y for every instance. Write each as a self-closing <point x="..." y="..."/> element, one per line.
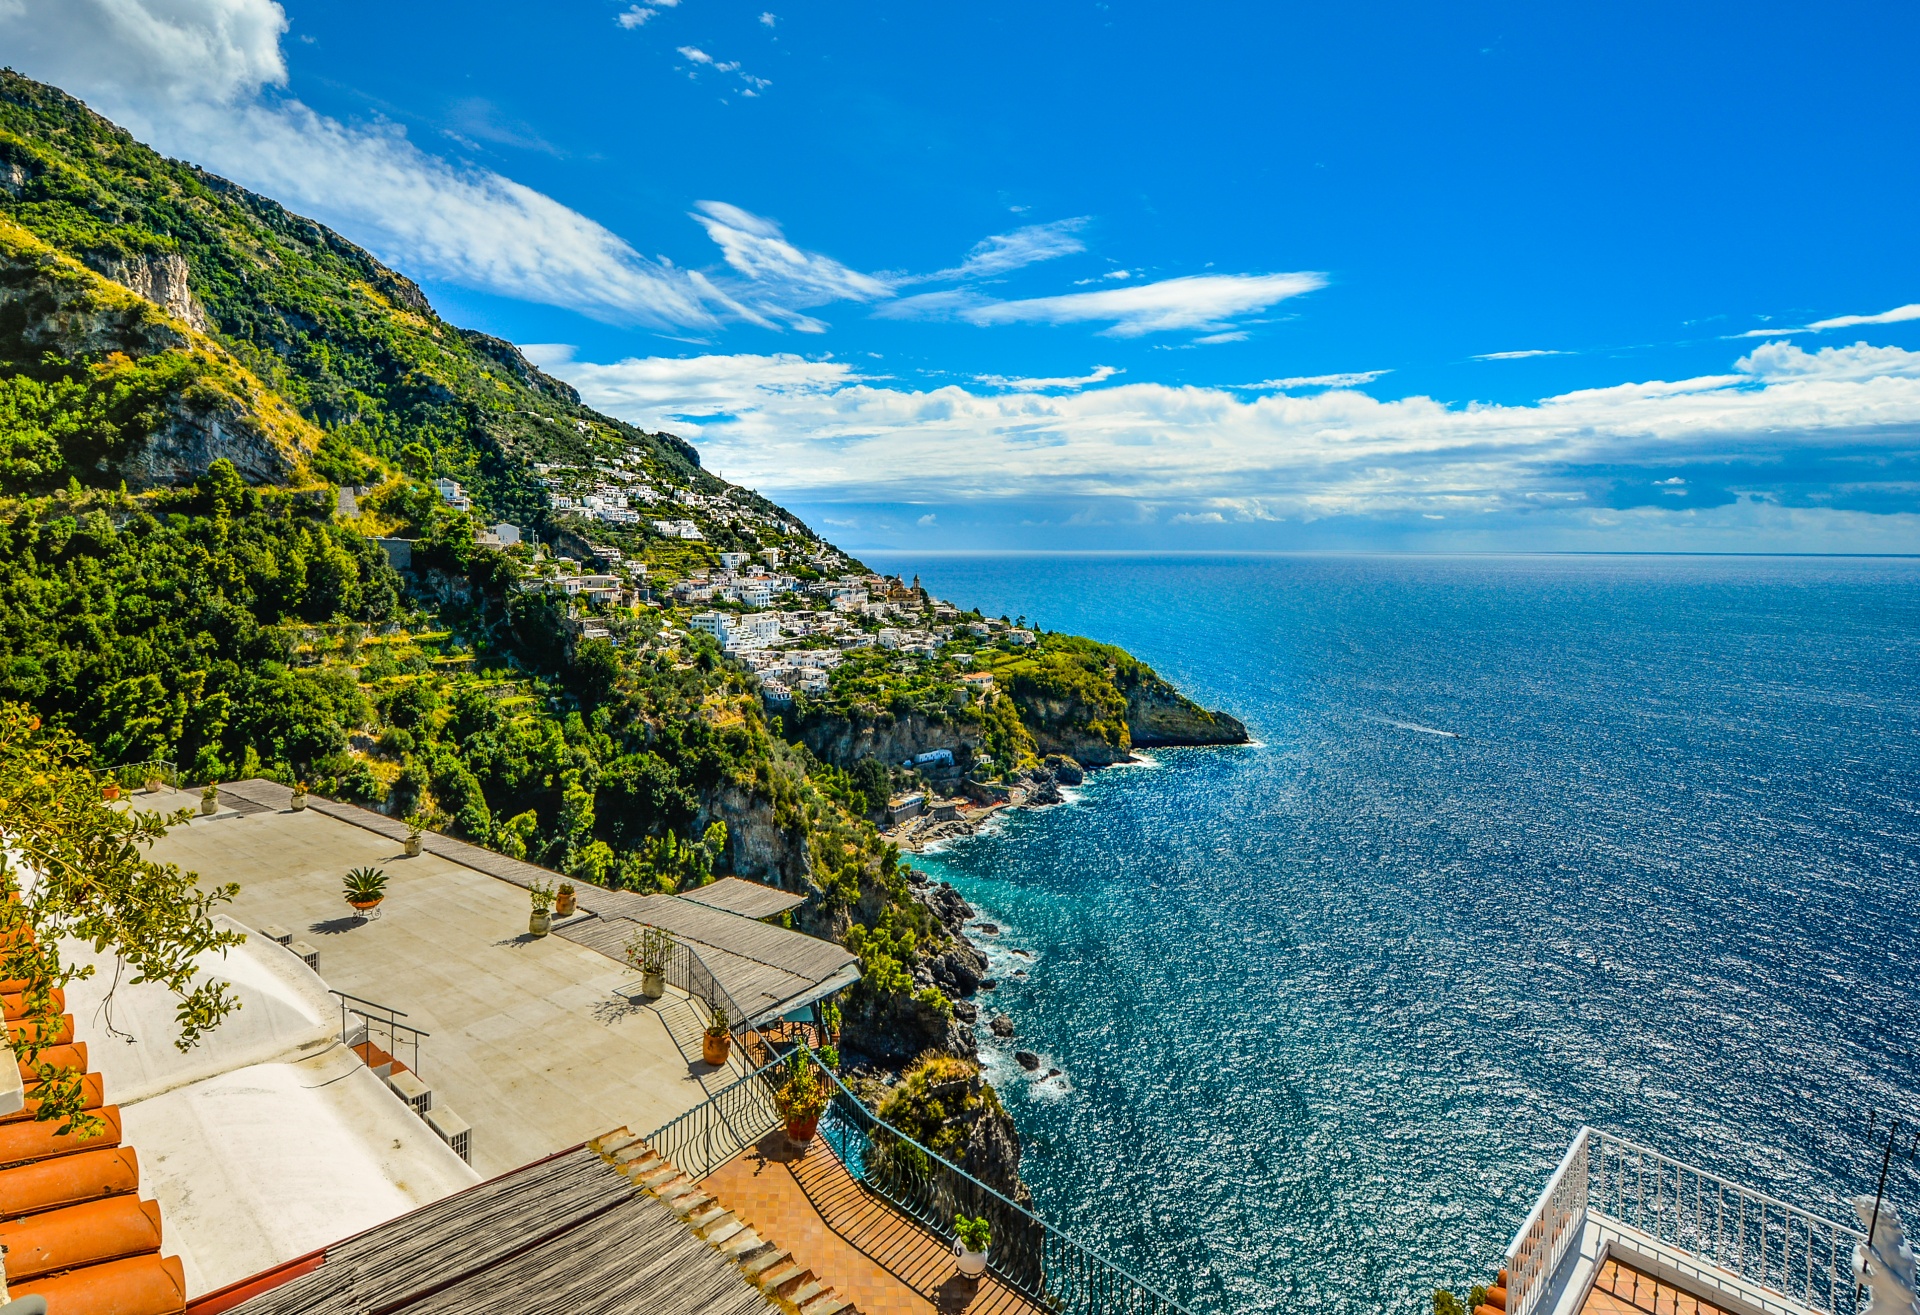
<point x="879" y="1259"/>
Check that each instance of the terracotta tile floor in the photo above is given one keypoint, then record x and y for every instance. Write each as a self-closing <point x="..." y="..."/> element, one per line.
<point x="1620" y="1290"/>
<point x="875" y="1257"/>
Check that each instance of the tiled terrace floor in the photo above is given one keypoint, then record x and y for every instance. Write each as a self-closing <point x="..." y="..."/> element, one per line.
<point x="1620" y="1290"/>
<point x="874" y="1257"/>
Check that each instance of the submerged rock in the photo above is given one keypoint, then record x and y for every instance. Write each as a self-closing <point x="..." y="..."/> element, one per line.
<point x="1002" y="1025"/>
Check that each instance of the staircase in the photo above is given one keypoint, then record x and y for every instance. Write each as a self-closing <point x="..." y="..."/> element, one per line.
<point x="775" y="1272"/>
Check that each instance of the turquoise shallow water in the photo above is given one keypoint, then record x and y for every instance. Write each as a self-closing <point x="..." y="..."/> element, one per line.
<point x="1330" y="1006"/>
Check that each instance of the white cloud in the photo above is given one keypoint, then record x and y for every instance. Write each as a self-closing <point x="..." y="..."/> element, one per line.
<point x="766" y="18"/>
<point x="1895" y="316"/>
<point x="1352" y="379"/>
<point x="1101" y="373"/>
<point x="756" y="248"/>
<point x="819" y="429"/>
<point x="1518" y="356"/>
<point x="1898" y="315"/>
<point x="634" y="16"/>
<point x="1201" y="301"/>
<point x="1005" y="252"/>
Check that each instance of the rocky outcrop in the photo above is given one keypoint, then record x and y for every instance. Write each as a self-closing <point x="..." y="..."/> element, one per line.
<point x="195" y="434"/>
<point x="845" y="740"/>
<point x="162" y="280"/>
<point x="757" y="847"/>
<point x="944" y="1104"/>
<point x="1159" y="714"/>
<point x="508" y="357"/>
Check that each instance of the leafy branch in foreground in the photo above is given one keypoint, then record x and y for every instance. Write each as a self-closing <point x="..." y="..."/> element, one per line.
<point x="73" y="866"/>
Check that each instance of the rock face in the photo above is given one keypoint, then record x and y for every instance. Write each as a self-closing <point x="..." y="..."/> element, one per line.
<point x="756" y="846"/>
<point x="161" y="279"/>
<point x="1157" y="713"/>
<point x="944" y="1104"/>
<point x="844" y="741"/>
<point x="1002" y="1026"/>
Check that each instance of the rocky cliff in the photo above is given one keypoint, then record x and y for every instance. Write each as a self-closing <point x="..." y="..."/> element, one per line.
<point x="845" y="740"/>
<point x="1157" y="713"/>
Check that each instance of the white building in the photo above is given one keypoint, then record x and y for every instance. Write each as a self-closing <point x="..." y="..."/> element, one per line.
<point x="733" y="561"/>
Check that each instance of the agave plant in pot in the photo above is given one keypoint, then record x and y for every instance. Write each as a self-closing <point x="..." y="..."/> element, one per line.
<point x="647" y="950"/>
<point x="364" y="889"/>
<point x="803" y="1096"/>
<point x="540" y="922"/>
<point x="971" y="1239"/>
<point x="718" y="1038"/>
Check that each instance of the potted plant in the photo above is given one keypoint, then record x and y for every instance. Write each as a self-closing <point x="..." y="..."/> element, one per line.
<point x="713" y="1046"/>
<point x="647" y="951"/>
<point x="566" y="901"/>
<point x="364" y="889"/>
<point x="802" y="1097"/>
<point x="110" y="790"/>
<point x="210" y="798"/>
<point x="299" y="796"/>
<point x="541" y="920"/>
<point x="154" y="782"/>
<point x="414" y="828"/>
<point x="970" y="1243"/>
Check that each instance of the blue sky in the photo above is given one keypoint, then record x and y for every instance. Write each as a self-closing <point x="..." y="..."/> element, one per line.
<point x="1126" y="276"/>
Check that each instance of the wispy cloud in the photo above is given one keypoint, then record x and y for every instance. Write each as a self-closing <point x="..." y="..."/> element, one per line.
<point x="789" y="276"/>
<point x="1101" y="373"/>
<point x="1005" y="252"/>
<point x="1519" y="355"/>
<point x="1899" y="314"/>
<point x="1352" y="379"/>
<point x="1202" y="301"/>
<point x="820" y="430"/>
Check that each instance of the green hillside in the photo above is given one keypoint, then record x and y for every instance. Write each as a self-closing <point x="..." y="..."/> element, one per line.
<point x="190" y="375"/>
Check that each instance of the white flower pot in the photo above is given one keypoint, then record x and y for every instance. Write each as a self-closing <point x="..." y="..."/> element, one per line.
<point x="971" y="1264"/>
<point x="653" y="985"/>
<point x="299" y="803"/>
<point x="413" y="846"/>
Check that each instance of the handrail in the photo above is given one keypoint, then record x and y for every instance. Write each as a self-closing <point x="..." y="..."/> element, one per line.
<point x="1749" y="1235"/>
<point x="1755" y="1236"/>
<point x="1028" y="1254"/>
<point x="390" y="1021"/>
<point x="700" y="982"/>
<point x="1550" y="1229"/>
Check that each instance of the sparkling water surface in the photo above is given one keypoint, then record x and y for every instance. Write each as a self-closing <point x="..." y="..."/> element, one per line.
<point x="1523" y="843"/>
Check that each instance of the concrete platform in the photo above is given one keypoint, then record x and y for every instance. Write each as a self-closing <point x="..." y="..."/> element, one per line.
<point x="532" y="1041"/>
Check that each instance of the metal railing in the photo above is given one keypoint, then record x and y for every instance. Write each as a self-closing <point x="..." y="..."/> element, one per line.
<point x="1029" y="1255"/>
<point x="1550" y="1229"/>
<point x="1757" y="1237"/>
<point x="686" y="970"/>
<point x="375" y="1018"/>
<point x="1753" y="1237"/>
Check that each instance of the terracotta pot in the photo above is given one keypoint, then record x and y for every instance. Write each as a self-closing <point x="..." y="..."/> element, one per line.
<point x="713" y="1048"/>
<point x="540" y="922"/>
<point x="565" y="903"/>
<point x="109" y="792"/>
<point x="800" y="1131"/>
<point x="362" y="906"/>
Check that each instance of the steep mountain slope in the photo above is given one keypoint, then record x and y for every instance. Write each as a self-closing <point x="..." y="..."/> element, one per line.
<point x="191" y="378"/>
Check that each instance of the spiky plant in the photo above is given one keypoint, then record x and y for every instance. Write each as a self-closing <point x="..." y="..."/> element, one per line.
<point x="365" y="886"/>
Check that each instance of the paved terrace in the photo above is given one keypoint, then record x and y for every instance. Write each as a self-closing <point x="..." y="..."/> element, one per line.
<point x="535" y="1042"/>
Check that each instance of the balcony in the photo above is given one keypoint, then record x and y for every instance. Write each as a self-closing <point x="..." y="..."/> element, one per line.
<point x="872" y="1212"/>
<point x="1622" y="1228"/>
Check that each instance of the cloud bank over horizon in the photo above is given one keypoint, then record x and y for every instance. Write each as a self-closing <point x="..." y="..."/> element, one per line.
<point x="1832" y="431"/>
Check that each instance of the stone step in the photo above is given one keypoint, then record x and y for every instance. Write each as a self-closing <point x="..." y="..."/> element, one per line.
<point x="687" y="1203"/>
<point x="723" y="1230"/>
<point x="615" y="1143"/>
<point x="773" y="1278"/>
<point x="646" y="1164"/>
<point x="806" y="1292"/>
<point x="827" y="1304"/>
<point x="767" y="1258"/>
<point x="659" y="1178"/>
<point x="740" y="1244"/>
<point x="707" y="1216"/>
<point x="787" y="1287"/>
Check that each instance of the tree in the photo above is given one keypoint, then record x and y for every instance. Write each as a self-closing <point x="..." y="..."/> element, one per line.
<point x="73" y="866"/>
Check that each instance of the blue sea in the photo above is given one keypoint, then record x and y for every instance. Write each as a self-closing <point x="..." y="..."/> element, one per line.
<point x="1523" y="843"/>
